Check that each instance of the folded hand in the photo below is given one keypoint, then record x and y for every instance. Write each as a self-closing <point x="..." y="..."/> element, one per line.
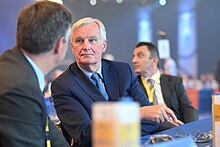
<point x="159" y="114"/>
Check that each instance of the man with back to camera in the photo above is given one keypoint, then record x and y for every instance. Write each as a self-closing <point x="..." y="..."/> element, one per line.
<point x="167" y="89"/>
<point x="75" y="91"/>
<point x="42" y="38"/>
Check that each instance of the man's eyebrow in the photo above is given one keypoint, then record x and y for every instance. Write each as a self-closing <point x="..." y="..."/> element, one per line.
<point x="77" y="38"/>
<point x="93" y="37"/>
<point x="140" y="52"/>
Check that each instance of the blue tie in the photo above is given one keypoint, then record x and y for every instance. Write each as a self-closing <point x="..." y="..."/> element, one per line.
<point x="99" y="84"/>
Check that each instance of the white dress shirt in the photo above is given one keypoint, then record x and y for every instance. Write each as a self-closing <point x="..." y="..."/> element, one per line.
<point x="157" y="88"/>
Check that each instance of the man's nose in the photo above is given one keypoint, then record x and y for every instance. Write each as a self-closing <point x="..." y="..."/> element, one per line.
<point x="133" y="60"/>
<point x="86" y="44"/>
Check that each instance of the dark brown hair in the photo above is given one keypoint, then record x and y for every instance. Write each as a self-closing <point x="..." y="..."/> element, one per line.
<point x="40" y="25"/>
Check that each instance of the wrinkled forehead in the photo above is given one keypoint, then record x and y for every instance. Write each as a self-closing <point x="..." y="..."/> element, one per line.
<point x="87" y="31"/>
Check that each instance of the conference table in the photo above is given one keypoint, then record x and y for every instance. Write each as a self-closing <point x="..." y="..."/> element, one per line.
<point x="203" y="125"/>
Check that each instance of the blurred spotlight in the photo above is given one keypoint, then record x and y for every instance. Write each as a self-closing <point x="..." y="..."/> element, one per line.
<point x="119" y="1"/>
<point x="162" y="2"/>
<point x="57" y="1"/>
<point x="93" y="2"/>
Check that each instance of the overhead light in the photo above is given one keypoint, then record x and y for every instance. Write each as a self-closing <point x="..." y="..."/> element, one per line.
<point x="162" y="2"/>
<point x="93" y="2"/>
<point x="119" y="1"/>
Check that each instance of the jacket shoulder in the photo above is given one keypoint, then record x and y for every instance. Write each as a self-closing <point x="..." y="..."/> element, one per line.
<point x="170" y="77"/>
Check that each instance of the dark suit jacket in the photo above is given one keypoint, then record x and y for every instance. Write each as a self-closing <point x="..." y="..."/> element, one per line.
<point x="22" y="106"/>
<point x="175" y="97"/>
<point x="74" y="95"/>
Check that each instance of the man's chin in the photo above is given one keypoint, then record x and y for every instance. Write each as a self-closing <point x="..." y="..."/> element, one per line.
<point x="88" y="63"/>
<point x="137" y="72"/>
<point x="86" y="59"/>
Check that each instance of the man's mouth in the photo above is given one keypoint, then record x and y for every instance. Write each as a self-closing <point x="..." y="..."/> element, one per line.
<point x="85" y="54"/>
<point x="136" y="66"/>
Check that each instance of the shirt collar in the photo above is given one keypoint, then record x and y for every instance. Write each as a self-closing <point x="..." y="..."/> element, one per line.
<point x="89" y="74"/>
<point x="39" y="73"/>
<point x="154" y="76"/>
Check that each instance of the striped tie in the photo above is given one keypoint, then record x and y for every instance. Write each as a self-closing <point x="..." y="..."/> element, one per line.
<point x="150" y="82"/>
<point x="99" y="84"/>
<point x="151" y="85"/>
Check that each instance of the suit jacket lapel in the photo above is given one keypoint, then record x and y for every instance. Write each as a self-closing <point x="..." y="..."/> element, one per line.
<point x="142" y="85"/>
<point x="165" y="87"/>
<point x="110" y="81"/>
<point x="84" y="82"/>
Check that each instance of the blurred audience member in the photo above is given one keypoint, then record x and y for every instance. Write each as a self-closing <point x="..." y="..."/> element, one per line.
<point x="208" y="81"/>
<point x="49" y="99"/>
<point x="205" y="81"/>
<point x="213" y="82"/>
<point x="217" y="73"/>
<point x="185" y="80"/>
<point x="56" y="73"/>
<point x="108" y="56"/>
<point x="170" y="67"/>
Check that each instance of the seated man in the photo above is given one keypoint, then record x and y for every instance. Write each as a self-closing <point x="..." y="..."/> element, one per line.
<point x="165" y="89"/>
<point x="75" y="90"/>
<point x="42" y="37"/>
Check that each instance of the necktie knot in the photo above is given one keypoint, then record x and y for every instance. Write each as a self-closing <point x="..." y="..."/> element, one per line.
<point x="95" y="77"/>
<point x="150" y="83"/>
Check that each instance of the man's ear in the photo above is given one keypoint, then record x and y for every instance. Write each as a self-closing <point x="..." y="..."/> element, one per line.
<point x="58" y="45"/>
<point x="155" y="59"/>
<point x="104" y="46"/>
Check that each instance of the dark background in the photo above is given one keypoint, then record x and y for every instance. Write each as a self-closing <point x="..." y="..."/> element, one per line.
<point x="121" y="21"/>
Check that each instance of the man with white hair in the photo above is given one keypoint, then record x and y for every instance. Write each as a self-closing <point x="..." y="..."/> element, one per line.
<point x="92" y="79"/>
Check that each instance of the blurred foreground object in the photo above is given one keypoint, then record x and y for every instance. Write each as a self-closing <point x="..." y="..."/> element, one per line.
<point x="116" y="124"/>
<point x="216" y="119"/>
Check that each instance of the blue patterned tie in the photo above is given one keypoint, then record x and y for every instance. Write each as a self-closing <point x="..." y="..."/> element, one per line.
<point x="99" y="84"/>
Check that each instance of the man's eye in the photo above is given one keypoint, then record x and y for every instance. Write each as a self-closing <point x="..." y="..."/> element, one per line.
<point x="140" y="55"/>
<point x="92" y="40"/>
<point x="78" y="40"/>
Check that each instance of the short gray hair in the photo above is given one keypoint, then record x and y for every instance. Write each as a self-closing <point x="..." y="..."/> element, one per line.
<point x="89" y="20"/>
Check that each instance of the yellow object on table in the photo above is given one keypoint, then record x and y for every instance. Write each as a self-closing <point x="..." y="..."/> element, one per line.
<point x="216" y="120"/>
<point x="116" y="124"/>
